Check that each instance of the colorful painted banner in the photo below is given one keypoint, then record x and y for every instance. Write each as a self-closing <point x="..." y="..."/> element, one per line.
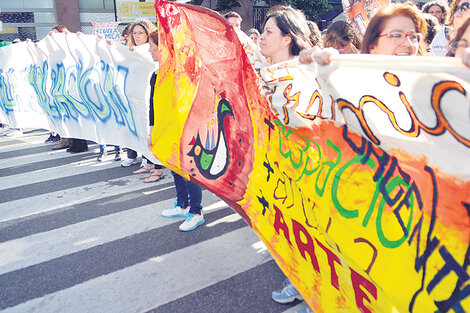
<point x="80" y="87"/>
<point x="360" y="12"/>
<point x="109" y="30"/>
<point x="357" y="177"/>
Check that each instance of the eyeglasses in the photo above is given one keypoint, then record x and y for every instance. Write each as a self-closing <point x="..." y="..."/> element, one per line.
<point x="139" y="33"/>
<point x="398" y="37"/>
<point x="464" y="7"/>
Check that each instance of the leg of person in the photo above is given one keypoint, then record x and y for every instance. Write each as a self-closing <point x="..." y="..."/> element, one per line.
<point x="50" y="138"/>
<point x="131" y="158"/>
<point x="157" y="174"/>
<point x="118" y="152"/>
<point x="181" y="205"/>
<point x="195" y="216"/>
<point x="287" y="294"/>
<point x="103" y="153"/>
<point x="78" y="145"/>
<point x="13" y="132"/>
<point x="62" y="144"/>
<point x="55" y="137"/>
<point x="145" y="167"/>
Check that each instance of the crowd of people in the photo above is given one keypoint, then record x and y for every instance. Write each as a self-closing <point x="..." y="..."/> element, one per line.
<point x="400" y="29"/>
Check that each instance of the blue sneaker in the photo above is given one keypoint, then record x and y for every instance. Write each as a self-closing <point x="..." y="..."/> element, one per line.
<point x="287" y="294"/>
<point x="175" y="211"/>
<point x="192" y="221"/>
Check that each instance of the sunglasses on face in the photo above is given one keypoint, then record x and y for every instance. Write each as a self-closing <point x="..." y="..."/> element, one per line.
<point x="464" y="7"/>
<point x="462" y="43"/>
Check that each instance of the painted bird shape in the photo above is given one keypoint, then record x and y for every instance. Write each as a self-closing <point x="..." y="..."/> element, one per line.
<point x="212" y="163"/>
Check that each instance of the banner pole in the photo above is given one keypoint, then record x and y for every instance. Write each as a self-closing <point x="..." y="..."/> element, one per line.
<point x="115" y="11"/>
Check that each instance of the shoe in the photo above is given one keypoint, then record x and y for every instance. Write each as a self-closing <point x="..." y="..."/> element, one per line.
<point x="49" y="139"/>
<point x="63" y="143"/>
<point x="154" y="177"/>
<point x="144" y="169"/>
<point x="103" y="154"/>
<point x="56" y="138"/>
<point x="4" y="129"/>
<point x="78" y="145"/>
<point x="13" y="132"/>
<point x="192" y="221"/>
<point x="287" y="294"/>
<point x="117" y="156"/>
<point x="128" y="162"/>
<point x="175" y="211"/>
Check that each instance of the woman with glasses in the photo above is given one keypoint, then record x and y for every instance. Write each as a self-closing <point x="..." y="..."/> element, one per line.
<point x="395" y="30"/>
<point x="139" y="35"/>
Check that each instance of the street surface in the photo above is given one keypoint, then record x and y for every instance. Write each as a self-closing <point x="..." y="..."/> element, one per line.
<point x="77" y="235"/>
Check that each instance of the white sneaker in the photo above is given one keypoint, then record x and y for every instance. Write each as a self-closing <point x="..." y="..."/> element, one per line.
<point x="192" y="221"/>
<point x="128" y="162"/>
<point x="4" y="129"/>
<point x="175" y="211"/>
<point x="13" y="132"/>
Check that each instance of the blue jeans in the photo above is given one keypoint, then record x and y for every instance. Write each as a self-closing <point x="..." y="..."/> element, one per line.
<point x="187" y="193"/>
<point x="103" y="147"/>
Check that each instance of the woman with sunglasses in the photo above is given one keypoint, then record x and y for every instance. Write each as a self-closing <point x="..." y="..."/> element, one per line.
<point x="460" y="12"/>
<point x="395" y="30"/>
<point x="460" y="47"/>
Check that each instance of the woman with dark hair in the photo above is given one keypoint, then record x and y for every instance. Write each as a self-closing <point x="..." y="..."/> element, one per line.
<point x="438" y="8"/>
<point x="341" y="36"/>
<point x="433" y="28"/>
<point x="285" y="34"/>
<point x="315" y="34"/>
<point x="460" y="12"/>
<point x="126" y="35"/>
<point x="254" y="35"/>
<point x="139" y="31"/>
<point x="155" y="170"/>
<point x="460" y="45"/>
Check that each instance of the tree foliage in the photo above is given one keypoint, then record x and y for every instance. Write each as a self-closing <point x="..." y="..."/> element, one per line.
<point x="222" y="5"/>
<point x="312" y="9"/>
<point x="225" y="5"/>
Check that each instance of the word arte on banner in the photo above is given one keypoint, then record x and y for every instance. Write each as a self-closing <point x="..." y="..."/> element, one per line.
<point x="347" y="181"/>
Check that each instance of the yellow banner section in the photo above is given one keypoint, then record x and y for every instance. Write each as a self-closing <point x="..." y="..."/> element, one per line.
<point x="129" y="11"/>
<point x="9" y="30"/>
<point x="360" y="205"/>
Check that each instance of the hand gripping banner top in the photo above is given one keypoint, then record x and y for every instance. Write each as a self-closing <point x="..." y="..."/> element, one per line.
<point x="356" y="176"/>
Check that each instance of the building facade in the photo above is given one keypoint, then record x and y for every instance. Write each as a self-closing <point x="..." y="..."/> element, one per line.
<point x="34" y="19"/>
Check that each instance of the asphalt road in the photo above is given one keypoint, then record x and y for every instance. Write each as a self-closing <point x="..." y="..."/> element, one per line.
<point x="77" y="235"/>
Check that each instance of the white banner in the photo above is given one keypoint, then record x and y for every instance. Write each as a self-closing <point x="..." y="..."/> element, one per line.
<point x="80" y="87"/>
